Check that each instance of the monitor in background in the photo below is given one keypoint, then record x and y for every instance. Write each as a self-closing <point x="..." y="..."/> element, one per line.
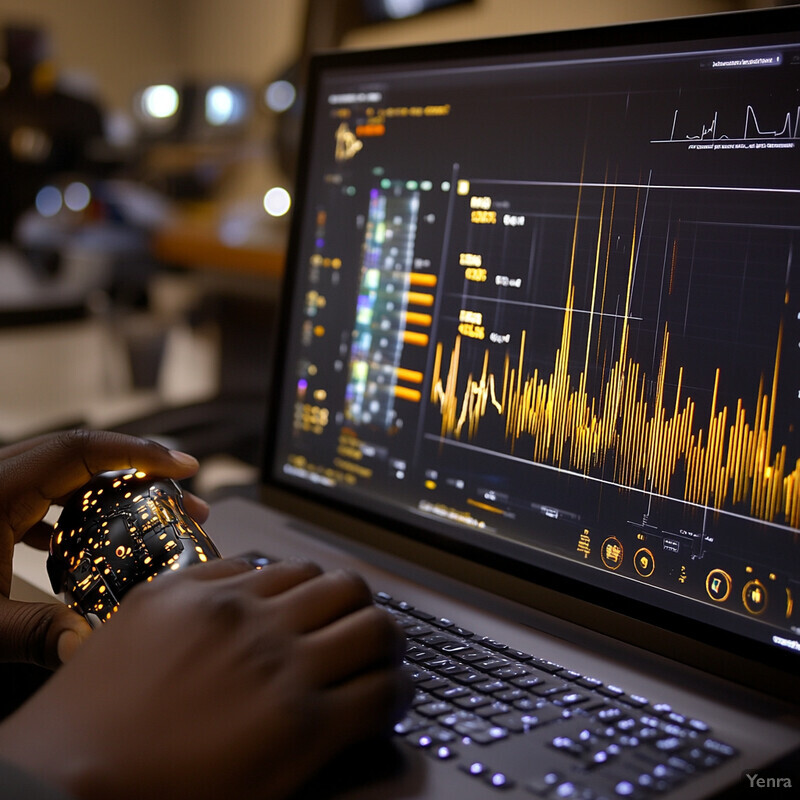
<point x="545" y="312"/>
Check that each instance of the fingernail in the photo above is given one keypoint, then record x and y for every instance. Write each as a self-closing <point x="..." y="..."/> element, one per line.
<point x="183" y="458"/>
<point x="68" y="643"/>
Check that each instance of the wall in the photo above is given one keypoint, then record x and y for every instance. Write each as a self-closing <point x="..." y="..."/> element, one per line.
<point x="118" y="46"/>
<point x="500" y="17"/>
<point x="125" y="44"/>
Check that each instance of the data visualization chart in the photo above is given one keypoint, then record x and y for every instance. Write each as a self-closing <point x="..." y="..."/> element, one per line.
<point x="596" y="373"/>
<point x="550" y="309"/>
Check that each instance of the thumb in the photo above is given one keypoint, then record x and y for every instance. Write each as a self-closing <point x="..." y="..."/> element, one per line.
<point x="46" y="634"/>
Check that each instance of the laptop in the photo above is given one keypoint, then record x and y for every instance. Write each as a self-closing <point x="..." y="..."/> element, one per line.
<point x="536" y="378"/>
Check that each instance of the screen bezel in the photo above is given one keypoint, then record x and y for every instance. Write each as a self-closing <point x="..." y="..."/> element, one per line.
<point x="718" y="651"/>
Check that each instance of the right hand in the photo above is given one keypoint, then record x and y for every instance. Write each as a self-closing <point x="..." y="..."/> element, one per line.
<point x="216" y="681"/>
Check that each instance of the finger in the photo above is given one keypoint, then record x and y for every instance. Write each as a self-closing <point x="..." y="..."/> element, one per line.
<point x="381" y="696"/>
<point x="59" y="464"/>
<point x="318" y="602"/>
<point x="282" y="576"/>
<point x="243" y="568"/>
<point x="353" y="644"/>
<point x="38" y="536"/>
<point x="196" y="507"/>
<point x="46" y="634"/>
<point x="11" y="450"/>
<point x="216" y="569"/>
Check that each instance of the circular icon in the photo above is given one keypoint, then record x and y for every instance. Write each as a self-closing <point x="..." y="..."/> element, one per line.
<point x="718" y="585"/>
<point x="754" y="597"/>
<point x="611" y="552"/>
<point x="644" y="562"/>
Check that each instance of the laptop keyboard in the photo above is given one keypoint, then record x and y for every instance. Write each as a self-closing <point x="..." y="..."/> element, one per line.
<point x="514" y="720"/>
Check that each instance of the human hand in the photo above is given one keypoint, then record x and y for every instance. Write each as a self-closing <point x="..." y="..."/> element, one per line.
<point x="216" y="681"/>
<point x="37" y="473"/>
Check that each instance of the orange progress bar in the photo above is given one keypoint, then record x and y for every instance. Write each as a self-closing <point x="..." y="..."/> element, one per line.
<point x="412" y="337"/>
<point x="421" y="279"/>
<point x="416" y="318"/>
<point x="410" y="375"/>
<point x="484" y="506"/>
<point x="420" y="298"/>
<point x="407" y="394"/>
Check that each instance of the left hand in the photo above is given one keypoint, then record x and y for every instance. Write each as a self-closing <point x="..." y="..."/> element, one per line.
<point x="36" y="473"/>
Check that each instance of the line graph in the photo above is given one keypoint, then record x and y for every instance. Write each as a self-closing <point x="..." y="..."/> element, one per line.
<point x="602" y="413"/>
<point x="752" y="130"/>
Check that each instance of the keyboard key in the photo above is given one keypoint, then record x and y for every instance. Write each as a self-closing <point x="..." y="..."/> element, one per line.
<point x="454" y="647"/>
<point x="469" y="677"/>
<point x="510" y="671"/>
<point x="526" y="681"/>
<point x="547" y="666"/>
<point x="546" y="688"/>
<point x="491" y="643"/>
<point x="499" y="780"/>
<point x="490" y="687"/>
<point x="523" y="721"/>
<point x="492" y="709"/>
<point x="719" y="748"/>
<point x="476" y="768"/>
<point x="544" y="784"/>
<point x="472" y="701"/>
<point x="420" y="654"/>
<point x="450" y="692"/>
<point x="434" y="709"/>
<point x="491" y="664"/>
<point x="433" y="683"/>
<point x="408" y="725"/>
<point x="570" y="699"/>
<point x="453" y="670"/>
<point x="435" y="638"/>
<point x="417" y="631"/>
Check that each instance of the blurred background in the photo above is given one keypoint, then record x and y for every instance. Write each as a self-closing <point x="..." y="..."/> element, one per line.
<point x="146" y="168"/>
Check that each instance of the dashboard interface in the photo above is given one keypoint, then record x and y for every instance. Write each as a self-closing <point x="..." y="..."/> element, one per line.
<point x="545" y="302"/>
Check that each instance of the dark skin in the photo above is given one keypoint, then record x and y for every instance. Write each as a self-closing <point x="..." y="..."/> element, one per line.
<point x="215" y="681"/>
<point x="36" y="473"/>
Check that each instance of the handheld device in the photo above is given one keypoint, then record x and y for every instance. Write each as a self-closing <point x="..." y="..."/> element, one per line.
<point x="120" y="529"/>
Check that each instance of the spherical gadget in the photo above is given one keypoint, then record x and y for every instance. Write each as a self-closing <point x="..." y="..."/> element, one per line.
<point x="120" y="529"/>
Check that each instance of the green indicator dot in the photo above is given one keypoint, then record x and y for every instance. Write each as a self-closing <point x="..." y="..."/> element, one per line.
<point x="412" y="185"/>
<point x="350" y="191"/>
<point x="386" y="184"/>
<point x="426" y="186"/>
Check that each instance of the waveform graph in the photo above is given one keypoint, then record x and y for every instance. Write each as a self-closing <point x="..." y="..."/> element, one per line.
<point x="748" y="126"/>
<point x="637" y="383"/>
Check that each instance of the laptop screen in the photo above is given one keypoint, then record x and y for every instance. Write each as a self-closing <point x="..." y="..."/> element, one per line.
<point x="543" y="307"/>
